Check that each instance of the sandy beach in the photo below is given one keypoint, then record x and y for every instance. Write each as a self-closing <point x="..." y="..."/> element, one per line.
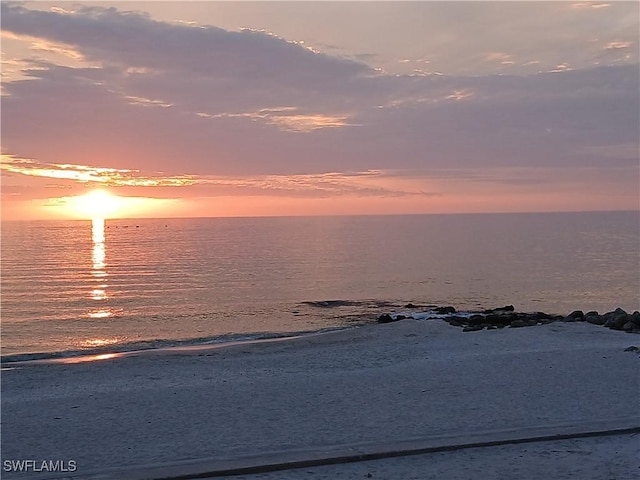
<point x="162" y="414"/>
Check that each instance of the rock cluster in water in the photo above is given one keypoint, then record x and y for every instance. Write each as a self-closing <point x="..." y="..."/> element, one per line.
<point x="507" y="317"/>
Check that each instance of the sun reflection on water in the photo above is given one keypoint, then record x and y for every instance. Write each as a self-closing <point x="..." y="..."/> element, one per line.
<point x="98" y="254"/>
<point x="99" y="269"/>
<point x="99" y="294"/>
<point x="99" y="342"/>
<point x="100" y="313"/>
<point x="89" y="358"/>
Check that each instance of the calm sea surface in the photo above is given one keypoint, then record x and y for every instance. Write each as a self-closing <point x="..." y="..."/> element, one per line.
<point x="122" y="284"/>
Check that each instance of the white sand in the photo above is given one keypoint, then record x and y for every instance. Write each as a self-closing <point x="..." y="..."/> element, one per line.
<point x="379" y="384"/>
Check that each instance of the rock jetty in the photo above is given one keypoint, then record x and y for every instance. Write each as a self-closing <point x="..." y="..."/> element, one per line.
<point x="506" y="316"/>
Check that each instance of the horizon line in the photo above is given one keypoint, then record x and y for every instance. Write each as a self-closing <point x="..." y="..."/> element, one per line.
<point x="16" y="220"/>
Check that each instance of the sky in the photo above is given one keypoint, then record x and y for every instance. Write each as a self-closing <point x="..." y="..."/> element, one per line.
<point x="318" y="108"/>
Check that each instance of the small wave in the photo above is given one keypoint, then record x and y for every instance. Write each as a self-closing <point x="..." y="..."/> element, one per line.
<point x="349" y="303"/>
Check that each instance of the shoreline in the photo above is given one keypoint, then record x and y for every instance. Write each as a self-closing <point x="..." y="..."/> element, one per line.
<point x="468" y="320"/>
<point x="187" y="349"/>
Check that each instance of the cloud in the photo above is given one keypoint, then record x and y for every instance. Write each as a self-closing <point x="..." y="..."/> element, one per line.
<point x="308" y="185"/>
<point x="92" y="117"/>
<point x="135" y="40"/>
<point x="87" y="174"/>
<point x="147" y="102"/>
<point x="249" y="112"/>
<point x="333" y="184"/>
<point x="288" y="119"/>
<point x="625" y="151"/>
<point x="590" y="5"/>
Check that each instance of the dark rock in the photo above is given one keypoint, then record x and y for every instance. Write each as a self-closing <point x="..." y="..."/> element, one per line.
<point x="444" y="310"/>
<point x="472" y="328"/>
<point x="491" y="318"/>
<point x="502" y="319"/>
<point x="632" y="348"/>
<point x="332" y="303"/>
<point x="507" y="317"/>
<point x="628" y="327"/>
<point x="506" y="308"/>
<point x="551" y="319"/>
<point x="455" y="321"/>
<point x="607" y="317"/>
<point x="385" y="318"/>
<point x="535" y="318"/>
<point x="475" y="319"/>
<point x="575" y="316"/>
<point x="539" y="316"/>
<point x="594" y="318"/>
<point x="617" y="320"/>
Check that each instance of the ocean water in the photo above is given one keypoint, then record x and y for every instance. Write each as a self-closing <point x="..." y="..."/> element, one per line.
<point x="92" y="286"/>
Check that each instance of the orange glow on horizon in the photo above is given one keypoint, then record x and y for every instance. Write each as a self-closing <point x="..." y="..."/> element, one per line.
<point x="102" y="204"/>
<point x="478" y="200"/>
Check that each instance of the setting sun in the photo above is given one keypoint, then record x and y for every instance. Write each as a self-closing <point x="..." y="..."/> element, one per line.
<point x="102" y="204"/>
<point x="98" y="204"/>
